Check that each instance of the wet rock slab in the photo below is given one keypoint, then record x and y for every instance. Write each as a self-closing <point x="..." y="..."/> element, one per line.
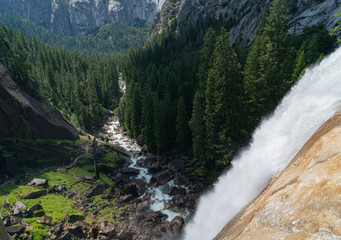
<point x="34" y="195"/>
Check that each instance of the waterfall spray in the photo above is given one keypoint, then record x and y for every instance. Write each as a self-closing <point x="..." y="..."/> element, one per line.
<point x="311" y="102"/>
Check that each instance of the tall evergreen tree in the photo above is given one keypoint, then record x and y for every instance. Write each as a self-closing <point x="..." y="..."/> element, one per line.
<point x="136" y="112"/>
<point x="299" y="68"/>
<point x="266" y="71"/>
<point x="224" y="87"/>
<point x="160" y="129"/>
<point x="205" y="57"/>
<point x="149" y="122"/>
<point x="182" y="128"/>
<point x="197" y="125"/>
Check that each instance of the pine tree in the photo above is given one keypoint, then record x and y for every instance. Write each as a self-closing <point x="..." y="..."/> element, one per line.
<point x="94" y="106"/>
<point x="148" y="123"/>
<point x="266" y="71"/>
<point x="128" y="106"/>
<point x="182" y="128"/>
<point x="205" y="57"/>
<point x="299" y="68"/>
<point x="170" y="113"/>
<point x="224" y="87"/>
<point x="136" y="112"/>
<point x="276" y="35"/>
<point x="197" y="125"/>
<point x="160" y="129"/>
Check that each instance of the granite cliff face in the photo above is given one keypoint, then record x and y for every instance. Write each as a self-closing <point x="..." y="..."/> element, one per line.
<point x="25" y="117"/>
<point x="304" y="201"/>
<point x="245" y="14"/>
<point x="67" y="17"/>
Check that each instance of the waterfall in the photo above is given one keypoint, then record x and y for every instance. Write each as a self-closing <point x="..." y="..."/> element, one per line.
<point x="311" y="102"/>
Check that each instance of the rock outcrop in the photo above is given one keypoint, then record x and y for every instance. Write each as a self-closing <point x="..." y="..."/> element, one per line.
<point x="68" y="17"/>
<point x="244" y="15"/>
<point x="26" y="117"/>
<point x="304" y="201"/>
<point x="3" y="233"/>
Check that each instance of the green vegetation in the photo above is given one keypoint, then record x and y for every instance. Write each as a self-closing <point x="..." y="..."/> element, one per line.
<point x="76" y="84"/>
<point x="58" y="206"/>
<point x="228" y="90"/>
<point x="39" y="232"/>
<point x="109" y="40"/>
<point x="40" y="153"/>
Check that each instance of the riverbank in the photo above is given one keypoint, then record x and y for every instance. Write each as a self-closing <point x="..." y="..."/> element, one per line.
<point x="162" y="192"/>
<point x="138" y="195"/>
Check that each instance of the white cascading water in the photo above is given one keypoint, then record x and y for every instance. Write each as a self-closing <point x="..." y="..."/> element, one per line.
<point x="310" y="103"/>
<point x="159" y="195"/>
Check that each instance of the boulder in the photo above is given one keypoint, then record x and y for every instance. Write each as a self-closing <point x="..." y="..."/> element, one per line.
<point x="46" y="220"/>
<point x="175" y="226"/>
<point x="175" y="166"/>
<point x="39" y="213"/>
<point x="76" y="231"/>
<point x="74" y="218"/>
<point x="89" y="178"/>
<point x="140" y="140"/>
<point x="107" y="229"/>
<point x="15" y="220"/>
<point x="58" y="229"/>
<point x="35" y="208"/>
<point x="66" y="236"/>
<point x="142" y="186"/>
<point x="130" y="189"/>
<point x="142" y="206"/>
<point x="140" y="162"/>
<point x="98" y="189"/>
<point x="176" y="191"/>
<point x="159" y="230"/>
<point x="167" y="205"/>
<point x="37" y="182"/>
<point x="34" y="195"/>
<point x="15" y="229"/>
<point x="94" y="231"/>
<point x="129" y="171"/>
<point x="82" y="224"/>
<point x="163" y="177"/>
<point x="29" y="212"/>
<point x="126" y="236"/>
<point x="126" y="198"/>
<point x="154" y="169"/>
<point x="6" y="221"/>
<point x="18" y="209"/>
<point x="144" y="150"/>
<point x="57" y="189"/>
<point x="179" y="199"/>
<point x="151" y="162"/>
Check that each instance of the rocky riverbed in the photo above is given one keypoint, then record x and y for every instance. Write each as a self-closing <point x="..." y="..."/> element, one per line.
<point x="137" y="196"/>
<point x="157" y="191"/>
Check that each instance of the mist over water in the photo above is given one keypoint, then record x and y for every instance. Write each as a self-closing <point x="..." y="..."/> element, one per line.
<point x="310" y="103"/>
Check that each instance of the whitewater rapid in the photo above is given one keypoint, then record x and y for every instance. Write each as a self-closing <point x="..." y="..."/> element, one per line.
<point x="310" y="103"/>
<point x="159" y="194"/>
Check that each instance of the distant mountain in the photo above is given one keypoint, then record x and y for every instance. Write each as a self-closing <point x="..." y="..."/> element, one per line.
<point x="243" y="16"/>
<point x="69" y="17"/>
